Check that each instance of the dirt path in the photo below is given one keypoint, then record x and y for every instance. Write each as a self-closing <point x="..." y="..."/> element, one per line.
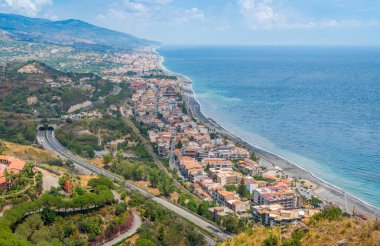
<point x="49" y="179"/>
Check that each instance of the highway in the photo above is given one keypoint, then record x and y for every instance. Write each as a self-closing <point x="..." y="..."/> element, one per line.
<point x="49" y="142"/>
<point x="115" y="91"/>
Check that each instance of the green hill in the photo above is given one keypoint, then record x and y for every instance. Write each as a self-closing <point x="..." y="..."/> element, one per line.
<point x="74" y="33"/>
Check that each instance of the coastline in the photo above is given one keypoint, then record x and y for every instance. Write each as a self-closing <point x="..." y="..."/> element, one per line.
<point x="323" y="189"/>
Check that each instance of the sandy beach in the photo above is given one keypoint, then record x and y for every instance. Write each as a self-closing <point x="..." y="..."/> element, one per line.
<point x="321" y="189"/>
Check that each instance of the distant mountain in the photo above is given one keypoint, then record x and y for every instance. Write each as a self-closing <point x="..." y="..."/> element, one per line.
<point x="71" y="32"/>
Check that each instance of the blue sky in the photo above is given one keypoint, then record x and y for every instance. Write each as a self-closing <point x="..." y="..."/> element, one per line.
<point x="223" y="22"/>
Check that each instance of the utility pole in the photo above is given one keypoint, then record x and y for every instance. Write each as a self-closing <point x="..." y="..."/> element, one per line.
<point x="345" y="199"/>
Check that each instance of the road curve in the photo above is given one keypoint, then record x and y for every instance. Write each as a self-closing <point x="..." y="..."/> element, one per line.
<point x="49" y="142"/>
<point x="135" y="226"/>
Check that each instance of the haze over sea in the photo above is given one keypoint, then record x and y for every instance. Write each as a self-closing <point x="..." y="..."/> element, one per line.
<point x="318" y="107"/>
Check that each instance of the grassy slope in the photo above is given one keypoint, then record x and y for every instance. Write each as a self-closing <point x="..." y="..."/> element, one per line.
<point x="26" y="152"/>
<point x="324" y="232"/>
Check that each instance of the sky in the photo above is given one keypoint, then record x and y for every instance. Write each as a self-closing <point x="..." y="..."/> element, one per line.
<point x="221" y="22"/>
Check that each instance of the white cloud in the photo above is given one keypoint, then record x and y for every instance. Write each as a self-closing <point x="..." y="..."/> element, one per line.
<point x="150" y="12"/>
<point x="259" y="13"/>
<point x="27" y="7"/>
<point x="263" y="14"/>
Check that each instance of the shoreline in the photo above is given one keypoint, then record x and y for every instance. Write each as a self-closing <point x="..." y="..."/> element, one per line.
<point x="323" y="189"/>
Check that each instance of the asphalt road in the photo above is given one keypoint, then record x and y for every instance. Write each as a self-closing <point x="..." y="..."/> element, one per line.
<point x="136" y="225"/>
<point x="115" y="91"/>
<point x="49" y="142"/>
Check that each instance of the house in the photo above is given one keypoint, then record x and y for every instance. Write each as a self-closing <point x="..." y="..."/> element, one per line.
<point x="250" y="184"/>
<point x="218" y="213"/>
<point x="248" y="165"/>
<point x="190" y="168"/>
<point x="217" y="163"/>
<point x="225" y="176"/>
<point x="223" y="196"/>
<point x="276" y="214"/>
<point x="10" y="165"/>
<point x="289" y="199"/>
<point x="238" y="206"/>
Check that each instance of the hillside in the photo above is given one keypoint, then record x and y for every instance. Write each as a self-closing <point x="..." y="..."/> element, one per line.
<point x="73" y="33"/>
<point x="37" y="89"/>
<point x="331" y="227"/>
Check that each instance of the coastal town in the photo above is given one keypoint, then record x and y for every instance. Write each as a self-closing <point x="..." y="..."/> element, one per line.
<point x="102" y="144"/>
<point x="215" y="169"/>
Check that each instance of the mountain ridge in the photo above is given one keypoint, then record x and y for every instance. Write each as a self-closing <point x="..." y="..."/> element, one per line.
<point x="70" y="32"/>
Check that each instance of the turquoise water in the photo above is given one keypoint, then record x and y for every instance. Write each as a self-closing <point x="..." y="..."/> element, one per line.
<point x="318" y="107"/>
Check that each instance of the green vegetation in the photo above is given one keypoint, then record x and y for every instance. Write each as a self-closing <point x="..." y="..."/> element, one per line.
<point x="160" y="76"/>
<point x="21" y="129"/>
<point x="22" y="186"/>
<point x="163" y="227"/>
<point x="330" y="227"/>
<point x="199" y="207"/>
<point x="115" y="99"/>
<point x="81" y="144"/>
<point x="329" y="213"/>
<point x="259" y="177"/>
<point x="2" y="147"/>
<point x="243" y="191"/>
<point x="47" y="93"/>
<point x="82" y="137"/>
<point x="166" y="186"/>
<point x="52" y="219"/>
<point x="102" y="180"/>
<point x="316" y="202"/>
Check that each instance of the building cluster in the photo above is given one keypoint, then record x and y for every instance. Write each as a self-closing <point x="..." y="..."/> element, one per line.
<point x="9" y="165"/>
<point x="215" y="166"/>
<point x="92" y="114"/>
<point x="139" y="63"/>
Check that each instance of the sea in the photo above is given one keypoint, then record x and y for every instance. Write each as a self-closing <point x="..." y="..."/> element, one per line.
<point x="318" y="107"/>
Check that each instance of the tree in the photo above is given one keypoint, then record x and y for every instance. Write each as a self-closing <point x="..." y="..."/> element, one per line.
<point x="20" y="138"/>
<point x="203" y="209"/>
<point x="107" y="158"/>
<point x="154" y="178"/>
<point x="90" y="225"/>
<point x="271" y="241"/>
<point x="2" y="147"/>
<point x="31" y="224"/>
<point x="41" y="236"/>
<point x="179" y="145"/>
<point x="230" y="188"/>
<point x="102" y="180"/>
<point x="120" y="208"/>
<point x="90" y="153"/>
<point x="120" y="155"/>
<point x="255" y="157"/>
<point x="242" y="190"/>
<point x="138" y="173"/>
<point x="48" y="216"/>
<point x="195" y="238"/>
<point x="166" y="186"/>
<point x="230" y="222"/>
<point x="316" y="202"/>
<point x="144" y="242"/>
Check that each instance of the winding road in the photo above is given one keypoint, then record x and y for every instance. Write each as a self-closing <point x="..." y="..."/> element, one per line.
<point x="49" y="142"/>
